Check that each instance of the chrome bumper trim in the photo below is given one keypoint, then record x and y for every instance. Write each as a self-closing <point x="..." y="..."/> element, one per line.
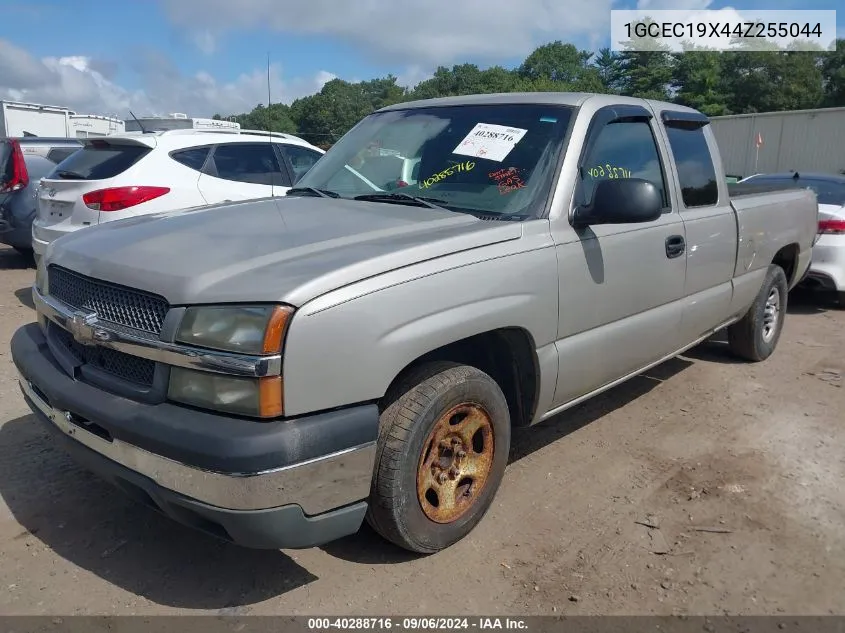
<point x="157" y="350"/>
<point x="316" y="485"/>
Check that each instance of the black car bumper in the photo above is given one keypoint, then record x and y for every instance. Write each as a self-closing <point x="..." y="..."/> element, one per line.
<point x="296" y="483"/>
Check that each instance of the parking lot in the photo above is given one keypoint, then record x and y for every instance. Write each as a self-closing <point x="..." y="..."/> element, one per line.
<point x="704" y="486"/>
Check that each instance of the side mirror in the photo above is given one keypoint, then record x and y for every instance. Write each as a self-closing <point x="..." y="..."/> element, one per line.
<point x="621" y="201"/>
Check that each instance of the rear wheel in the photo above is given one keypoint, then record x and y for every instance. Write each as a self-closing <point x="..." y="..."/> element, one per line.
<point x="756" y="335"/>
<point x="444" y="440"/>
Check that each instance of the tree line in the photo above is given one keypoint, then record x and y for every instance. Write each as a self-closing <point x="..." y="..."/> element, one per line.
<point x="714" y="82"/>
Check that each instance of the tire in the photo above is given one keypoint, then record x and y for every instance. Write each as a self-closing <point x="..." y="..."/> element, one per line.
<point x="27" y="253"/>
<point x="436" y="405"/>
<point x="756" y="335"/>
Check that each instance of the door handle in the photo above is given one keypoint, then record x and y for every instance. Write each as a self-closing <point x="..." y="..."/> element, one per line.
<point x="675" y="246"/>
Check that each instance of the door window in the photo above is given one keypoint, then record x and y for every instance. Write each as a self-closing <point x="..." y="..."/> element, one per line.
<point x="301" y="160"/>
<point x="624" y="149"/>
<point x="193" y="157"/>
<point x="696" y="172"/>
<point x="254" y="163"/>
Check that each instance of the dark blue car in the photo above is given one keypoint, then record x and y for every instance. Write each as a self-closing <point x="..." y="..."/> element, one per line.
<point x="23" y="163"/>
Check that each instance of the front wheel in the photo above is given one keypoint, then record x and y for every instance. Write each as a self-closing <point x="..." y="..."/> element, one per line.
<point x="756" y="335"/>
<point x="444" y="440"/>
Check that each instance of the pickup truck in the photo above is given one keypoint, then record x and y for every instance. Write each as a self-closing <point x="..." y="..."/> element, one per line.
<point x="276" y="372"/>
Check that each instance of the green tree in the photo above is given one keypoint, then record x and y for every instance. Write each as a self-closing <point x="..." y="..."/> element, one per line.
<point x="556" y="61"/>
<point x="608" y="67"/>
<point x="464" y="79"/>
<point x="833" y="75"/>
<point x="645" y="67"/>
<point x="697" y="80"/>
<point x="764" y="78"/>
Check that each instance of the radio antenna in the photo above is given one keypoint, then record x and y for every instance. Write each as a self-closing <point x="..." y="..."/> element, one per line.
<point x="270" y="126"/>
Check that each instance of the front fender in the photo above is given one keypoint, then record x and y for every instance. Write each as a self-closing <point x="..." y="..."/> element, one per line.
<point x="344" y="350"/>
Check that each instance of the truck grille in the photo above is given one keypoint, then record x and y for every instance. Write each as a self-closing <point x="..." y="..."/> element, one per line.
<point x="124" y="366"/>
<point x="116" y="304"/>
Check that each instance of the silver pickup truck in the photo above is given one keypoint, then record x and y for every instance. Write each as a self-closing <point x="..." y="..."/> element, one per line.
<point x="275" y="372"/>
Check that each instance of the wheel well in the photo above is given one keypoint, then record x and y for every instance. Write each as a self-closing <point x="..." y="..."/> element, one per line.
<point x="787" y="258"/>
<point x="506" y="355"/>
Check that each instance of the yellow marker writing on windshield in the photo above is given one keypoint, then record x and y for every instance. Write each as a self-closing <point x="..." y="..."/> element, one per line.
<point x="457" y="168"/>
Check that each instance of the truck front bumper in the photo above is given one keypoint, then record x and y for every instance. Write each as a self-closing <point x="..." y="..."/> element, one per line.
<point x="265" y="485"/>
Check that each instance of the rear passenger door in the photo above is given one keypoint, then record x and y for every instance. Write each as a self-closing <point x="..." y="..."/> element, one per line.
<point x="243" y="171"/>
<point x="709" y="222"/>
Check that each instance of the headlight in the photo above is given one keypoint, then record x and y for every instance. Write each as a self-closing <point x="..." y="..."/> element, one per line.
<point x="253" y="397"/>
<point x="253" y="330"/>
<point x="240" y="329"/>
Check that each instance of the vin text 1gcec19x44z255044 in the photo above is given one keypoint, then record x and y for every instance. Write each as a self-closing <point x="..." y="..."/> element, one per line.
<point x="276" y="371"/>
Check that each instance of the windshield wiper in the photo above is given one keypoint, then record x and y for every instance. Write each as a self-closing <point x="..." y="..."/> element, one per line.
<point x="323" y="193"/>
<point x="69" y="175"/>
<point x="402" y="198"/>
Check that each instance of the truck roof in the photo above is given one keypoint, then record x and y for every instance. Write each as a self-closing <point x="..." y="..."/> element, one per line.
<point x="551" y="98"/>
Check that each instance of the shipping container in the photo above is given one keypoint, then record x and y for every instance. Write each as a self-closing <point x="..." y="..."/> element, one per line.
<point x="801" y="140"/>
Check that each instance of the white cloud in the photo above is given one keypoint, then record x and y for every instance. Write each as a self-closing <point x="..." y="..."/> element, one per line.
<point x="413" y="75"/>
<point x="406" y="32"/>
<point x="81" y="83"/>
<point x="674" y="4"/>
<point x="205" y="41"/>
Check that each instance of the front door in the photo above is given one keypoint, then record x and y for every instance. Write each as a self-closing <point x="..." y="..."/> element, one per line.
<point x="621" y="286"/>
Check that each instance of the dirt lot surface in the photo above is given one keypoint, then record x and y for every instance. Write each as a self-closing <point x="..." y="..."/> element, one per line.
<point x="741" y="468"/>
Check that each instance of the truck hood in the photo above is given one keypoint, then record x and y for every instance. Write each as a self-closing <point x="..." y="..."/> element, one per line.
<point x="275" y="249"/>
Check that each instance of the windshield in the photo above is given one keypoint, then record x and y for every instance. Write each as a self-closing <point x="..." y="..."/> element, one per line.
<point x="491" y="159"/>
<point x="827" y="191"/>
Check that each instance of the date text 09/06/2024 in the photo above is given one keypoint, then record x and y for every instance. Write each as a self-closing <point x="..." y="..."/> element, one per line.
<point x="416" y="623"/>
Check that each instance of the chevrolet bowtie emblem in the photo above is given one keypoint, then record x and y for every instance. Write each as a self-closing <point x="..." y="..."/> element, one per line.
<point x="82" y="326"/>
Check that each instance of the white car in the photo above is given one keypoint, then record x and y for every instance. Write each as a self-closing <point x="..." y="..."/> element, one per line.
<point x="827" y="269"/>
<point x="138" y="173"/>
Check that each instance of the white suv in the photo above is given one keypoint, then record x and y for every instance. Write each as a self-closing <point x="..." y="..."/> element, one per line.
<point x="138" y="173"/>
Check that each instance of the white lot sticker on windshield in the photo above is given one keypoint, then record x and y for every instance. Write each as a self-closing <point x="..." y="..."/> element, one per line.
<point x="489" y="141"/>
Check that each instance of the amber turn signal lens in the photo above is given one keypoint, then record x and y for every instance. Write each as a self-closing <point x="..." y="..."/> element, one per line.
<point x="270" y="398"/>
<point x="275" y="332"/>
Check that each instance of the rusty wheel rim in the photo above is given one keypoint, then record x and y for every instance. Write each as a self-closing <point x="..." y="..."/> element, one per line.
<point x="455" y="462"/>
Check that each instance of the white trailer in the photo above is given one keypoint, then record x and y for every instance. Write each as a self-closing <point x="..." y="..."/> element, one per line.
<point x="180" y="121"/>
<point x="91" y="125"/>
<point x="34" y="119"/>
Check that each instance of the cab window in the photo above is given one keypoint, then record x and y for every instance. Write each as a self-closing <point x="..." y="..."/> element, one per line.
<point x="623" y="149"/>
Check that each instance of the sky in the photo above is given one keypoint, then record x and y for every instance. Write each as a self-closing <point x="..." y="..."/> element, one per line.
<point x="203" y="57"/>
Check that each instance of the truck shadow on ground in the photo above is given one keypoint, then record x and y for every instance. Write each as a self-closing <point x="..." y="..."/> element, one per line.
<point x="24" y="295"/>
<point x="93" y="526"/>
<point x="803" y="301"/>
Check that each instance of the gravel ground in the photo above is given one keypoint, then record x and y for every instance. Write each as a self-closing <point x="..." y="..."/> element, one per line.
<point x="738" y="468"/>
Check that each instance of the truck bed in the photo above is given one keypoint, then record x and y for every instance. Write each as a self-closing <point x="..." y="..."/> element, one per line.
<point x="770" y="215"/>
<point x="743" y="189"/>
